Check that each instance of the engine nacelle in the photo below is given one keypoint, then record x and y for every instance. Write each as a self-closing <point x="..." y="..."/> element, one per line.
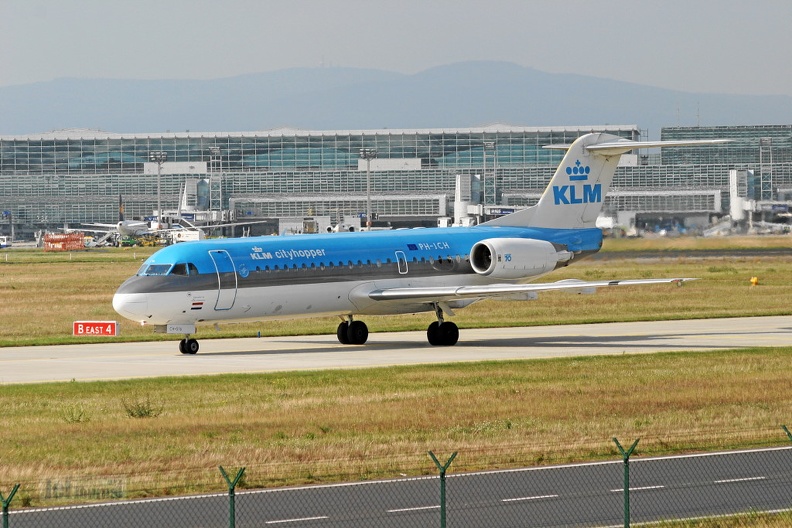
<point x="515" y="258"/>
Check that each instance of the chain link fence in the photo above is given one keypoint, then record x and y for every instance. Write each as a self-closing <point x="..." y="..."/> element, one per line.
<point x="729" y="488"/>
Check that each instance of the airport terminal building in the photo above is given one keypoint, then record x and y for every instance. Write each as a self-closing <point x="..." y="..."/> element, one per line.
<point x="408" y="176"/>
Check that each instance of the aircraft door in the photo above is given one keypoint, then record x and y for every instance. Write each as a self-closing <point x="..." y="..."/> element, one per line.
<point x="226" y="279"/>
<point x="402" y="260"/>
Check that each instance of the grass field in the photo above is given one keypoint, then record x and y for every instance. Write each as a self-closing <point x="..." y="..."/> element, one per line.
<point x="322" y="426"/>
<point x="157" y="435"/>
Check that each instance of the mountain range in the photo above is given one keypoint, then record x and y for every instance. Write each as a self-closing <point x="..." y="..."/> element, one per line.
<point x="460" y="95"/>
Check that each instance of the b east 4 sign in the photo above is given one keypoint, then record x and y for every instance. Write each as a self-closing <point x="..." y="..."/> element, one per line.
<point x="95" y="328"/>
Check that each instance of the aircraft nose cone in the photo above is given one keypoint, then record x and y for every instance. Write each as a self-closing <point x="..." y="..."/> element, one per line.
<point x="133" y="306"/>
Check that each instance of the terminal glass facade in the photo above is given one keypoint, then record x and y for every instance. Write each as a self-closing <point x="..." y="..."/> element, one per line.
<point x="77" y="176"/>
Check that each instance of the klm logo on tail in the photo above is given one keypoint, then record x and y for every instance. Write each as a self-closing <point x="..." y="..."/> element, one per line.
<point x="577" y="194"/>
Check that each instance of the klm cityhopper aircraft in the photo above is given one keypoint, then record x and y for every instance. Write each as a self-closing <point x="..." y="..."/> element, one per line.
<point x="386" y="272"/>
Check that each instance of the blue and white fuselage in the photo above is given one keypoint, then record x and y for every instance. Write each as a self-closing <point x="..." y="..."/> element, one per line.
<point x="335" y="274"/>
<point x="384" y="272"/>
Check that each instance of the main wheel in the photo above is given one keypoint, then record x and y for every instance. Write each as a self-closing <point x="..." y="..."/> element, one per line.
<point x="449" y="333"/>
<point x="446" y="334"/>
<point x="343" y="333"/>
<point x="433" y="334"/>
<point x="357" y="333"/>
<point x="183" y="346"/>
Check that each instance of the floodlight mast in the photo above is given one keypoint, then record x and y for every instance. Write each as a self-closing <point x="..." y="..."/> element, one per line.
<point x="159" y="157"/>
<point x="489" y="146"/>
<point x="368" y="154"/>
<point x="216" y="184"/>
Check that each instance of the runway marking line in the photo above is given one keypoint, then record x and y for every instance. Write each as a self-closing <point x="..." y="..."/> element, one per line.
<point x="537" y="497"/>
<point x="644" y="488"/>
<point x="297" y="520"/>
<point x="414" y="509"/>
<point x="746" y="479"/>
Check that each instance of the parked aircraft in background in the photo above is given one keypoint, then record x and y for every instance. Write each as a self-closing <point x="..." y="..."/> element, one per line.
<point x="350" y="275"/>
<point x="124" y="229"/>
<point x="114" y="233"/>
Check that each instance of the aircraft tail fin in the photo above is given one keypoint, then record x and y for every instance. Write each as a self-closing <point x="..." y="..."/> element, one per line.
<point x="576" y="193"/>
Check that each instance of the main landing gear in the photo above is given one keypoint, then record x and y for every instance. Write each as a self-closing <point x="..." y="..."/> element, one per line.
<point x="351" y="332"/>
<point x="188" y="346"/>
<point x="439" y="333"/>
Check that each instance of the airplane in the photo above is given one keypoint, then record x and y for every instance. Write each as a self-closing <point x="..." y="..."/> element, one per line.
<point x="138" y="229"/>
<point x="350" y="275"/>
<point x="114" y="233"/>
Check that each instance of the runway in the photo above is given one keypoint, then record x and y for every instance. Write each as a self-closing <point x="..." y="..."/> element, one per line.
<point x="272" y="354"/>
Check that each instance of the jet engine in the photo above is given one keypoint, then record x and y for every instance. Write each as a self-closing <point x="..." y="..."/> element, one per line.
<point x="515" y="258"/>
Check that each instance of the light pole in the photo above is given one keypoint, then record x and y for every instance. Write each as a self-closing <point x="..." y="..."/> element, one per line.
<point x="159" y="157"/>
<point x="368" y="154"/>
<point x="488" y="146"/>
<point x="216" y="183"/>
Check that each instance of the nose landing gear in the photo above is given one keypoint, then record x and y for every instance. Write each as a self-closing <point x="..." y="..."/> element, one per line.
<point x="188" y="346"/>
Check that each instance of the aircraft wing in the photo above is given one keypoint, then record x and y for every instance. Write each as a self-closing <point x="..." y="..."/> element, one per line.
<point x="103" y="231"/>
<point x="232" y="224"/>
<point x="452" y="293"/>
<point x="106" y="228"/>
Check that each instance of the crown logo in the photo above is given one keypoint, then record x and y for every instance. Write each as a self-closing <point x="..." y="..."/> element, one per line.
<point x="578" y="172"/>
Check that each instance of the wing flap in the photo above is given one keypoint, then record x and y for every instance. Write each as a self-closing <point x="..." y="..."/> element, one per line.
<point x="450" y="293"/>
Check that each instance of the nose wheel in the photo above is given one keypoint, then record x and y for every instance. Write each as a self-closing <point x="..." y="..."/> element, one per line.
<point x="188" y="346"/>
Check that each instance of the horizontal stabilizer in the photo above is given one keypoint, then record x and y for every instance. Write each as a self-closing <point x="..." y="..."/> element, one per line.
<point x="625" y="145"/>
<point x="620" y="147"/>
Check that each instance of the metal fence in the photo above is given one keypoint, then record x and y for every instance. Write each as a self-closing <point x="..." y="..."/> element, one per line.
<point x="747" y="487"/>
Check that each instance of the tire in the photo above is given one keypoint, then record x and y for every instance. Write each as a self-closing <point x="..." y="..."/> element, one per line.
<point x="191" y="346"/>
<point x="343" y="333"/>
<point x="446" y="334"/>
<point x="433" y="334"/>
<point x="357" y="333"/>
<point x="449" y="333"/>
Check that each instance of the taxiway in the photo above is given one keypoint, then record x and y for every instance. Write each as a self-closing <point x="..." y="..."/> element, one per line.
<point x="106" y="361"/>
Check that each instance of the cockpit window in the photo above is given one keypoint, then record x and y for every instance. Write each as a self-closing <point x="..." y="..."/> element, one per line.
<point x="184" y="269"/>
<point x="157" y="269"/>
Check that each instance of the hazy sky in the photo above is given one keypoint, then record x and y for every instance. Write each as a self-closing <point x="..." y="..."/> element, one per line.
<point x="724" y="46"/>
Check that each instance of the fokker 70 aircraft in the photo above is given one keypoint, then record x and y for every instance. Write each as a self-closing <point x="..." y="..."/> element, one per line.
<point x="350" y="275"/>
